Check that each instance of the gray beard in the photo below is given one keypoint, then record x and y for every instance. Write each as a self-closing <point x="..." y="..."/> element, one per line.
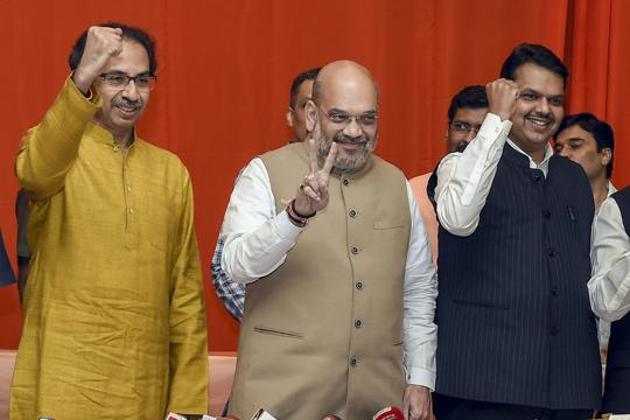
<point x="342" y="166"/>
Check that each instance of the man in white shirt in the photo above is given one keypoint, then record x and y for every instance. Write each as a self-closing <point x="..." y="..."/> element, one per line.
<point x="609" y="290"/>
<point x="517" y="337"/>
<point x="340" y="282"/>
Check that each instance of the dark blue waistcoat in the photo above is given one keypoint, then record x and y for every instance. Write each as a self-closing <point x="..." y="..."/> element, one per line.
<point x="617" y="389"/>
<point x="514" y="320"/>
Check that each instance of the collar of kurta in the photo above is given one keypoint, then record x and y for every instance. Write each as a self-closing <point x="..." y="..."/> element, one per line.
<point x="101" y="135"/>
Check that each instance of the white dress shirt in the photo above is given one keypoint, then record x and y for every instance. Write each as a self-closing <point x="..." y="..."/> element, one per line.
<point x="465" y="178"/>
<point x="257" y="241"/>
<point x="609" y="286"/>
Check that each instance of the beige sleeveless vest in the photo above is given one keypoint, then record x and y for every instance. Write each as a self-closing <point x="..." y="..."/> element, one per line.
<point x="322" y="334"/>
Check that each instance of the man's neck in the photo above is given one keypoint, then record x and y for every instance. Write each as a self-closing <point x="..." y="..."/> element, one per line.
<point x="123" y="138"/>
<point x="537" y="155"/>
<point x="600" y="190"/>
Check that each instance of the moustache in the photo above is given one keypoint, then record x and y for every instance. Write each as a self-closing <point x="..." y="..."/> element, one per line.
<point x="124" y="102"/>
<point x="541" y="116"/>
<point x="344" y="139"/>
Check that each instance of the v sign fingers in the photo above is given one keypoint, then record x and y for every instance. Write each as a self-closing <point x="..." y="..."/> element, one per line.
<point x="330" y="159"/>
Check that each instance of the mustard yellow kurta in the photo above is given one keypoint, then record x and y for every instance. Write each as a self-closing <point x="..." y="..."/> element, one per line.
<point x="114" y="320"/>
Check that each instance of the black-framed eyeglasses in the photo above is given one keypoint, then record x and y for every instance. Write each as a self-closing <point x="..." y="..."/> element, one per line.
<point x="119" y="80"/>
<point x="365" y="120"/>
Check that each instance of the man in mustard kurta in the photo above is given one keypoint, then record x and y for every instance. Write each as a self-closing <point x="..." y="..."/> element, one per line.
<point x="114" y="321"/>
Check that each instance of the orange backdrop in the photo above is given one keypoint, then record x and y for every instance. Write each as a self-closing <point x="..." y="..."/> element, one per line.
<point x="225" y="67"/>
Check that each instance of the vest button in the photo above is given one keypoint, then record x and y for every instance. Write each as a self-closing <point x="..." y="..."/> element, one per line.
<point x="551" y="252"/>
<point x="354" y="362"/>
<point x="554" y="292"/>
<point x="547" y="214"/>
<point x="358" y="323"/>
<point x="359" y="285"/>
<point x="354" y="250"/>
<point x="537" y="176"/>
<point x="555" y="330"/>
<point x="345" y="182"/>
<point x="352" y="213"/>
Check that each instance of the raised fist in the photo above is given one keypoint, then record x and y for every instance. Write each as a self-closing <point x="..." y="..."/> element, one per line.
<point x="101" y="44"/>
<point x="502" y="96"/>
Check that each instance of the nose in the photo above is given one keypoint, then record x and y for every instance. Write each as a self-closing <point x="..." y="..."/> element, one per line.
<point x="353" y="129"/>
<point x="470" y="135"/>
<point x="131" y="91"/>
<point x="563" y="151"/>
<point x="543" y="105"/>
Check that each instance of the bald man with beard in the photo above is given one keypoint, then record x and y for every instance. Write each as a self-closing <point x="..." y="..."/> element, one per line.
<point x="341" y="288"/>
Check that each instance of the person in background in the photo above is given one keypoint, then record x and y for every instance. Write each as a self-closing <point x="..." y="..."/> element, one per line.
<point x="590" y="142"/>
<point x="609" y="290"/>
<point x="23" y="252"/>
<point x="465" y="115"/>
<point x="6" y="272"/>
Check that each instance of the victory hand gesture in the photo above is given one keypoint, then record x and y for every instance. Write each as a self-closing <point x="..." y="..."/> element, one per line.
<point x="101" y="44"/>
<point x="313" y="193"/>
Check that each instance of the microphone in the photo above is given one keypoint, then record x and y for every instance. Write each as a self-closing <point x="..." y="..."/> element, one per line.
<point x="389" y="413"/>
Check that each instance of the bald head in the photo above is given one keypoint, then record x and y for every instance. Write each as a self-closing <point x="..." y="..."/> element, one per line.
<point x="344" y="77"/>
<point x="344" y="110"/>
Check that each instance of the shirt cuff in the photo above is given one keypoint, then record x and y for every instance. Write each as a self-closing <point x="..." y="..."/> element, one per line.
<point x="419" y="376"/>
<point x="92" y="97"/>
<point x="284" y="228"/>
<point x="493" y="126"/>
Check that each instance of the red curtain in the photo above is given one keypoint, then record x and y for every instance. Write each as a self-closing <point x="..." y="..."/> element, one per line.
<point x="225" y="67"/>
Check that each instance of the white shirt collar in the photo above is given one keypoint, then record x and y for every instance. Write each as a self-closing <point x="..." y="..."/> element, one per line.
<point x="544" y="165"/>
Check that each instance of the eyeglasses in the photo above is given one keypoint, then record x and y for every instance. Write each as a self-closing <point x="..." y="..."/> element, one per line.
<point x="464" y="128"/>
<point x="365" y="120"/>
<point x="121" y="80"/>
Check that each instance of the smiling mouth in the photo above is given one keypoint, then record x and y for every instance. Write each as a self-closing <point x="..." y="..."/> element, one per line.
<point x="127" y="111"/>
<point x="539" y="122"/>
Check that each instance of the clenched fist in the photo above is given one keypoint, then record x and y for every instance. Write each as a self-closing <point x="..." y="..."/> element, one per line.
<point x="101" y="44"/>
<point x="502" y="96"/>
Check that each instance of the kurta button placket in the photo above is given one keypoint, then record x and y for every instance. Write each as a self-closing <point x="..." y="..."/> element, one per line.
<point x="352" y="213"/>
<point x="359" y="285"/>
<point x="354" y="250"/>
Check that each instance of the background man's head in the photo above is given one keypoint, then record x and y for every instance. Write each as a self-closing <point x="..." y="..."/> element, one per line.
<point x="465" y="115"/>
<point x="124" y="100"/>
<point x="585" y="139"/>
<point x="541" y="77"/>
<point x="300" y="94"/>
<point x="344" y="109"/>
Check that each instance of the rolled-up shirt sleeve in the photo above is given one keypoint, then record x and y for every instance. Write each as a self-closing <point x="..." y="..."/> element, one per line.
<point x="420" y="294"/>
<point x="465" y="178"/>
<point x="609" y="286"/>
<point x="256" y="239"/>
